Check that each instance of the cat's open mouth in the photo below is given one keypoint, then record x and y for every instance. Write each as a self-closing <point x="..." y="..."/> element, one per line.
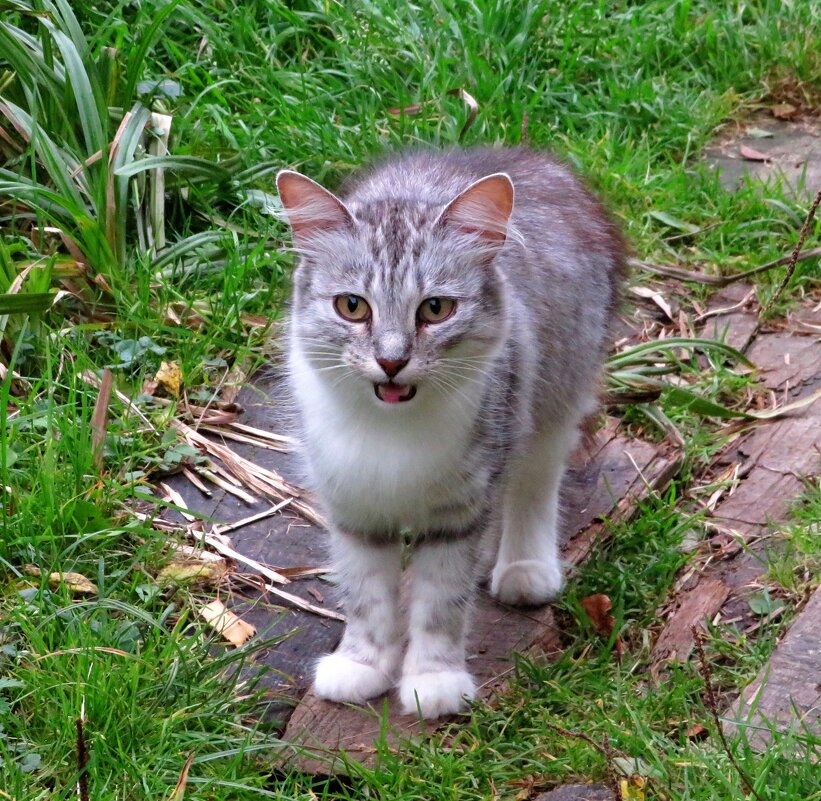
<point x="394" y="393"/>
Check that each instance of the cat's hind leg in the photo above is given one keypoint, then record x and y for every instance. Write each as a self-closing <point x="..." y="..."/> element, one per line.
<point x="528" y="570"/>
<point x="366" y="662"/>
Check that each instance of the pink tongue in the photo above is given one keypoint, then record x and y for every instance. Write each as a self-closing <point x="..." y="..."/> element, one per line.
<point x="392" y="393"/>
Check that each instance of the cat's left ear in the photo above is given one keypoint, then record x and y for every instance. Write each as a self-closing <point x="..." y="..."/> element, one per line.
<point x="484" y="208"/>
<point x="311" y="208"/>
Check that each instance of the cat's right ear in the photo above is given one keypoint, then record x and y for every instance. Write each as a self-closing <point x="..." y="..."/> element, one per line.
<point x="311" y="209"/>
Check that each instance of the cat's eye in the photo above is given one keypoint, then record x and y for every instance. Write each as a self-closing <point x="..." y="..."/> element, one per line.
<point x="435" y="310"/>
<point x="352" y="307"/>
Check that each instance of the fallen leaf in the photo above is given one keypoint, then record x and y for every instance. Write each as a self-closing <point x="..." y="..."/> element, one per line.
<point x="750" y="154"/>
<point x="759" y="133"/>
<point x="200" y="571"/>
<point x="224" y="621"/>
<point x="598" y="610"/>
<point x="696" y="732"/>
<point x="632" y="789"/>
<point x="784" y="111"/>
<point x="655" y="296"/>
<point x="76" y="582"/>
<point x="169" y="378"/>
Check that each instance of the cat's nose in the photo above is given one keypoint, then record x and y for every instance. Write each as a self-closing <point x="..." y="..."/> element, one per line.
<point x="392" y="366"/>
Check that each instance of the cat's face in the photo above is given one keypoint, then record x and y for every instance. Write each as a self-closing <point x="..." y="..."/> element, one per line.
<point x="395" y="300"/>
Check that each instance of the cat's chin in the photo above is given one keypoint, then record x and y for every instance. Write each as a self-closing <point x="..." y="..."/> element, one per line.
<point x="394" y="393"/>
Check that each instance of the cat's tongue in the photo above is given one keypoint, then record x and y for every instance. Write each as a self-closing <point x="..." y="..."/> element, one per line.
<point x="394" y="393"/>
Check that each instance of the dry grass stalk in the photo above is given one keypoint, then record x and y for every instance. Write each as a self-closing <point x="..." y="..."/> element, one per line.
<point x="265" y="482"/>
<point x="228" y="432"/>
<point x="246" y="521"/>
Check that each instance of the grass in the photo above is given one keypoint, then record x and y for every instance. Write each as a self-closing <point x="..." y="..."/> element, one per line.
<point x="629" y="93"/>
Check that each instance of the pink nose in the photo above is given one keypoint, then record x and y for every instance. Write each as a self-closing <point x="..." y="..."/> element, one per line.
<point x="391" y="366"/>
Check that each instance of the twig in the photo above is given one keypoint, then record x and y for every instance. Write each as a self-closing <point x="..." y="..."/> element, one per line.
<point x="805" y="229"/>
<point x="720" y="280"/>
<point x="712" y="705"/>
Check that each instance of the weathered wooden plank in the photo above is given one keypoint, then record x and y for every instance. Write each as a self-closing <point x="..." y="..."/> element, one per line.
<point x="774" y="459"/>
<point x="702" y="601"/>
<point x="786" y="693"/>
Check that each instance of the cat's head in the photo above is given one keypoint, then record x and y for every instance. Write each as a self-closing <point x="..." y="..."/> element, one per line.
<point x="395" y="297"/>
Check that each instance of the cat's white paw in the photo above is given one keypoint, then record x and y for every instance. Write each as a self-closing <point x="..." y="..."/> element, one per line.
<point x="528" y="582"/>
<point x="442" y="692"/>
<point x="339" y="678"/>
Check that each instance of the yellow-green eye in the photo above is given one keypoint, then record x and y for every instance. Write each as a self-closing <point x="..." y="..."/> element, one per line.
<point x="435" y="310"/>
<point x="352" y="308"/>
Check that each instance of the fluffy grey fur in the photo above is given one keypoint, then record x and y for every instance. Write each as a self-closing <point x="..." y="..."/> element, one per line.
<point x="500" y="388"/>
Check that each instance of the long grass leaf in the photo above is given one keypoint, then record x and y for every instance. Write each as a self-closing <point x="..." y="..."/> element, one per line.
<point x="124" y="146"/>
<point x="26" y="303"/>
<point x="134" y="68"/>
<point x="192" y="165"/>
<point x="667" y="346"/>
<point x="88" y="106"/>
<point x="179" y="249"/>
<point x="59" y="165"/>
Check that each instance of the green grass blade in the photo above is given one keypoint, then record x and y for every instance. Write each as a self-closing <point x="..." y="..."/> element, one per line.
<point x="134" y="67"/>
<point x="89" y="112"/>
<point x="192" y="165"/>
<point x="668" y="346"/>
<point x="25" y="303"/>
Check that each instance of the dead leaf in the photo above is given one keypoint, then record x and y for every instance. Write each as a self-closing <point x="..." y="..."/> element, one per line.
<point x="76" y="582"/>
<point x="598" y="610"/>
<point x="224" y="621"/>
<point x="169" y="378"/>
<point x="179" y="790"/>
<point x="632" y="789"/>
<point x="750" y="154"/>
<point x="317" y="595"/>
<point x="696" y="732"/>
<point x="198" y="571"/>
<point x="784" y="111"/>
<point x="655" y="296"/>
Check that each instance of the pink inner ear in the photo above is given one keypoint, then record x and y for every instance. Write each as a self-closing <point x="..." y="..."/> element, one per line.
<point x="310" y="207"/>
<point x="484" y="207"/>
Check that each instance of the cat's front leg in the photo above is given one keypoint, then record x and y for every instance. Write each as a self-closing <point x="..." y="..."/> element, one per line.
<point x="366" y="662"/>
<point x="435" y="680"/>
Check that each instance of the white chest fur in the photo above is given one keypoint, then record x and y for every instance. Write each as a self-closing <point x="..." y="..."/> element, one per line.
<point x="377" y="465"/>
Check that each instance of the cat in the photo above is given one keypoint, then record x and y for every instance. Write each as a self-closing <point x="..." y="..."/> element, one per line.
<point x="448" y="325"/>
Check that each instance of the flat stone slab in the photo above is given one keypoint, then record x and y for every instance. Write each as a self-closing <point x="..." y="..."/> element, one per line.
<point x="786" y="693"/>
<point x="793" y="154"/>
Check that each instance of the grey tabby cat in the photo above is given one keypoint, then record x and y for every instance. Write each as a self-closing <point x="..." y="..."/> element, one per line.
<point x="450" y="317"/>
